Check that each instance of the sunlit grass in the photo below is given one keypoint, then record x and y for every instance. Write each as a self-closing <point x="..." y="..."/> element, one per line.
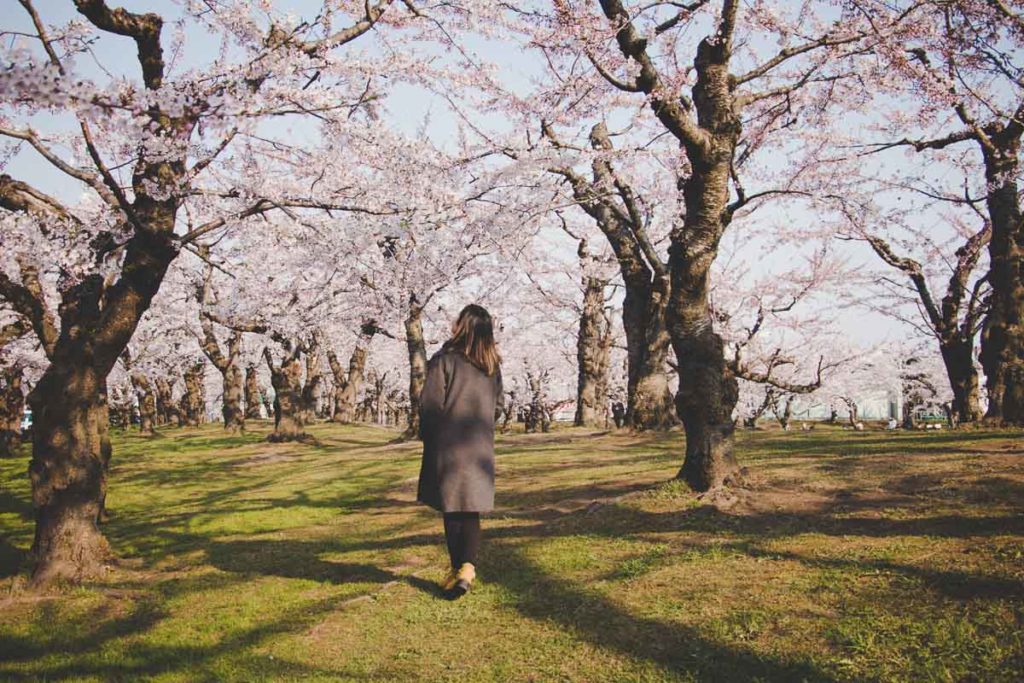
<point x="854" y="556"/>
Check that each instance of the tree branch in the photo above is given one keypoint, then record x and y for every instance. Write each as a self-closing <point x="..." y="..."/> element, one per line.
<point x="666" y="107"/>
<point x="144" y="29"/>
<point x="89" y="179"/>
<point x="790" y="52"/>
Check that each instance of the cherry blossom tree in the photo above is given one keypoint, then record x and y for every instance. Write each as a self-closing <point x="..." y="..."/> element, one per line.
<point x="623" y="217"/>
<point x="959" y="69"/>
<point x="148" y="150"/>
<point x="952" y="321"/>
<point x="754" y="80"/>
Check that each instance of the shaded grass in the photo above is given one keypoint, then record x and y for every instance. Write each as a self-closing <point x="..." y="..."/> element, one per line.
<point x="856" y="556"/>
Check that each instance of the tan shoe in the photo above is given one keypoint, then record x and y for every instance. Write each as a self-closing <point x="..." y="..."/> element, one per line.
<point x="463" y="581"/>
<point x="449" y="581"/>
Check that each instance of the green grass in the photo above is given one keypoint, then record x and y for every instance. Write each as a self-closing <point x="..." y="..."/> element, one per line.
<point x="852" y="556"/>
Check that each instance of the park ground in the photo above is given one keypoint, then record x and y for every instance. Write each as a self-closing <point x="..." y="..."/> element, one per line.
<point x="851" y="556"/>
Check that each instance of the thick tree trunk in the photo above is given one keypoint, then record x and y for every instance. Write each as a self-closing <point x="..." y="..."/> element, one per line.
<point x="646" y="281"/>
<point x="166" y="407"/>
<point x="12" y="406"/>
<point x="193" y="401"/>
<point x="592" y="357"/>
<point x="147" y="402"/>
<point x="1002" y="339"/>
<point x="963" y="379"/>
<point x="708" y="391"/>
<point x="287" y="382"/>
<point x="347" y="386"/>
<point x="252" y="393"/>
<point x="231" y="373"/>
<point x="71" y="450"/>
<point x="648" y="398"/>
<point x="234" y="416"/>
<point x="417" y="349"/>
<point x="311" y="389"/>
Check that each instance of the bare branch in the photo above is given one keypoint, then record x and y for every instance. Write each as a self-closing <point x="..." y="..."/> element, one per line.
<point x="790" y="52"/>
<point x="89" y="179"/>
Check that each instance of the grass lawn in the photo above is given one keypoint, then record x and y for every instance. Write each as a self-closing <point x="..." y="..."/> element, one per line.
<point x="853" y="556"/>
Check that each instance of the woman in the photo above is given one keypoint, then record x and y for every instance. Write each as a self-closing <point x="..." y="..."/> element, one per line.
<point x="458" y="405"/>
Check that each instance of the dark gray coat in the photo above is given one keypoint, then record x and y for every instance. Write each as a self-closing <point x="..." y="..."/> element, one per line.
<point x="457" y="413"/>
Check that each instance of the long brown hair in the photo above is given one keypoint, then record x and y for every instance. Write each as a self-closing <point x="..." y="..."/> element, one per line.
<point x="473" y="337"/>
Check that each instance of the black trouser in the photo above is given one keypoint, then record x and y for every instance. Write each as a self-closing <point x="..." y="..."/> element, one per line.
<point x="462" y="533"/>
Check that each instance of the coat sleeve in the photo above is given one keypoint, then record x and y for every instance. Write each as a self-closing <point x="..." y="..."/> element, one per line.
<point x="433" y="394"/>
<point x="499" y="399"/>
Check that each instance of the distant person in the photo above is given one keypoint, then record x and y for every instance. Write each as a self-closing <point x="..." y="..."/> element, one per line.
<point x="460" y="401"/>
<point x="619" y="414"/>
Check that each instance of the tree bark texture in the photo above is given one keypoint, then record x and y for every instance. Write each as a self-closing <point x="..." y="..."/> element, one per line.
<point x="593" y="351"/>
<point x="645" y="279"/>
<point x="417" y="350"/>
<point x="12" y="406"/>
<point x="252" y="393"/>
<point x="347" y="384"/>
<point x="166" y="407"/>
<point x="146" y="397"/>
<point x="230" y="370"/>
<point x="312" y="387"/>
<point x="193" y="401"/>
<point x="708" y="391"/>
<point x="286" y="379"/>
<point x="1002" y="340"/>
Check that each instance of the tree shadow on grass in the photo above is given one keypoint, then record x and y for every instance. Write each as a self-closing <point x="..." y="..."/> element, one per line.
<point x="238" y="651"/>
<point x="867" y="443"/>
<point x="598" y="620"/>
<point x="955" y="584"/>
<point x="291" y="559"/>
<point x="12" y="558"/>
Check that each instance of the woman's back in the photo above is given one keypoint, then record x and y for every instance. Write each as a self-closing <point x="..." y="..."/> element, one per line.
<point x="457" y="412"/>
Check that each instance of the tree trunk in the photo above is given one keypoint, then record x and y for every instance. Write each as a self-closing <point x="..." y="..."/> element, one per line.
<point x="708" y="391"/>
<point x="646" y="282"/>
<point x="1002" y="339"/>
<point x="287" y="382"/>
<point x="234" y="416"/>
<point x="347" y="386"/>
<point x="166" y="408"/>
<point x="648" y="398"/>
<point x="231" y="373"/>
<point x="852" y="410"/>
<point x="417" y="350"/>
<point x="71" y="450"/>
<point x="12" y="406"/>
<point x="147" y="402"/>
<point x="592" y="357"/>
<point x="70" y="445"/>
<point x="957" y="354"/>
<point x="252" y="393"/>
<point x="310" y="393"/>
<point x="193" y="401"/>
<point x="786" y="414"/>
<point x="120" y="410"/>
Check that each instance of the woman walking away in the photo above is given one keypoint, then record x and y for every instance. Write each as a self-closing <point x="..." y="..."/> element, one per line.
<point x="459" y="403"/>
